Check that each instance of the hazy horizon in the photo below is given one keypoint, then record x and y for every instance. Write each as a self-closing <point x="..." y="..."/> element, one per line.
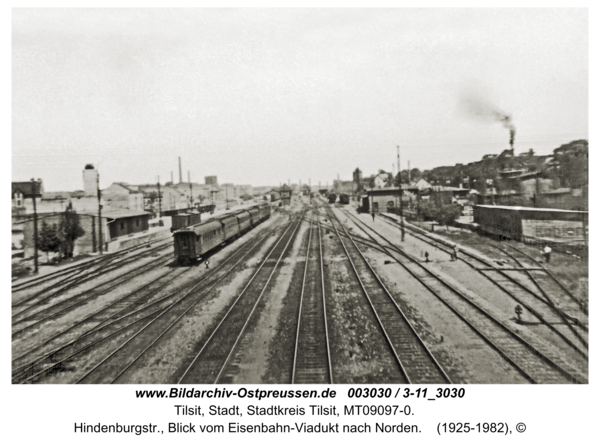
<point x="260" y="96"/>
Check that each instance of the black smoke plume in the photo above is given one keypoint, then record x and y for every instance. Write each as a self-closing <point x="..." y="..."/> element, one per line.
<point x="476" y="106"/>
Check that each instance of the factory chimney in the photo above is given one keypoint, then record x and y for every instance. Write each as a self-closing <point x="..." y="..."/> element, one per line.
<point x="180" y="180"/>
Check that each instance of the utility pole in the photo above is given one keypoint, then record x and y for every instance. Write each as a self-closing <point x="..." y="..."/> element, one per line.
<point x="34" y="194"/>
<point x="400" y="194"/>
<point x="226" y="197"/>
<point x="191" y="197"/>
<point x="99" y="214"/>
<point x="159" y="199"/>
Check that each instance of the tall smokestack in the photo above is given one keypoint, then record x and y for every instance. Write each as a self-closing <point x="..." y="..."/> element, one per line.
<point x="189" y="179"/>
<point x="180" y="180"/>
<point x="473" y="104"/>
<point x="409" y="172"/>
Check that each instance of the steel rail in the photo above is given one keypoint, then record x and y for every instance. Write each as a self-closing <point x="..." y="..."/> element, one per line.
<point x="181" y="299"/>
<point x="438" y="367"/>
<point x="555" y="279"/>
<point x="84" y="297"/>
<point x="436" y="243"/>
<point x="207" y="341"/>
<point x="497" y="322"/>
<point x="89" y="319"/>
<point x="385" y="333"/>
<point x="558" y="311"/>
<point x="74" y="280"/>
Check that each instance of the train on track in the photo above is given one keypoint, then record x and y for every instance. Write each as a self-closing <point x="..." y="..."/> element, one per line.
<point x="192" y="242"/>
<point x="344" y="199"/>
<point x="332" y="198"/>
<point x="184" y="220"/>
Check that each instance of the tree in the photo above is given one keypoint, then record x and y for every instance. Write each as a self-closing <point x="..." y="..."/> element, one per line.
<point x="48" y="239"/>
<point x="428" y="210"/>
<point x="447" y="214"/>
<point x="70" y="230"/>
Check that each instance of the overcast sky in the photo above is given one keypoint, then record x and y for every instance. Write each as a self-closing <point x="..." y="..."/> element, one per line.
<point x="261" y="96"/>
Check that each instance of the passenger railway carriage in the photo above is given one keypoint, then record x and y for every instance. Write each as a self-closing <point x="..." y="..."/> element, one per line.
<point x="192" y="242"/>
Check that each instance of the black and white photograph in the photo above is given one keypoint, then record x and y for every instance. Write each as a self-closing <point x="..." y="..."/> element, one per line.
<point x="300" y="196"/>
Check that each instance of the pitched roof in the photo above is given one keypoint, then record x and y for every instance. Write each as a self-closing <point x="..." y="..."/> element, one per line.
<point x="118" y="214"/>
<point x="130" y="188"/>
<point x="26" y="188"/>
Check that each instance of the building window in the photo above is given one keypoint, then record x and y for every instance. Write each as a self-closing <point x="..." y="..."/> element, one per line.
<point x="19" y="198"/>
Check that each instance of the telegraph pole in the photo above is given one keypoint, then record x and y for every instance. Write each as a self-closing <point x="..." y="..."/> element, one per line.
<point x="400" y="194"/>
<point x="99" y="214"/>
<point x="191" y="197"/>
<point x="35" y="225"/>
<point x="159" y="199"/>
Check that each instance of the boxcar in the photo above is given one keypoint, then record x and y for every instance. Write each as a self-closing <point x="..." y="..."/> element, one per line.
<point x="332" y="198"/>
<point x="344" y="199"/>
<point x="531" y="225"/>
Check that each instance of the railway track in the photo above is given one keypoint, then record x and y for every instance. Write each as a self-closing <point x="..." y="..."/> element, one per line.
<point x="47" y="313"/>
<point x="44" y="296"/>
<point x="211" y="363"/>
<point x="416" y="363"/>
<point x="541" y="308"/>
<point x="551" y="288"/>
<point x="533" y="362"/>
<point x="312" y="356"/>
<point x="75" y="268"/>
<point x="84" y="355"/>
<point x="126" y="306"/>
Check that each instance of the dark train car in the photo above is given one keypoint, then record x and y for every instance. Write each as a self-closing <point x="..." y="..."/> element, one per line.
<point x="532" y="225"/>
<point x="332" y="198"/>
<point x="264" y="211"/>
<point x="183" y="220"/>
<point x="254" y="215"/>
<point x="209" y="208"/>
<point x="344" y="199"/>
<point x="194" y="241"/>
<point x="244" y="220"/>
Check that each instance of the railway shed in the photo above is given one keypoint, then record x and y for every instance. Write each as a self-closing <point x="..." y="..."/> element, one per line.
<point x="125" y="222"/>
<point x="386" y="199"/>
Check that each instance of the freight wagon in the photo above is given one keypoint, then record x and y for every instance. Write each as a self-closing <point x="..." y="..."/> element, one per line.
<point x="183" y="220"/>
<point x="344" y="199"/>
<point x="532" y="225"/>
